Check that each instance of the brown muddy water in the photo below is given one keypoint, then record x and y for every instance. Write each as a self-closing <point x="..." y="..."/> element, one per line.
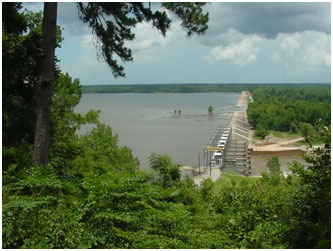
<point x="146" y="123"/>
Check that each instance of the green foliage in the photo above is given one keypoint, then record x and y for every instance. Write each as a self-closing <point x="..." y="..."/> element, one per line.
<point x="169" y="173"/>
<point x="307" y="132"/>
<point x="286" y="108"/>
<point x="29" y="199"/>
<point x="207" y="189"/>
<point x="312" y="200"/>
<point x="261" y="132"/>
<point x="100" y="153"/>
<point x="106" y="202"/>
<point x="274" y="165"/>
<point x="65" y="122"/>
<point x="254" y="214"/>
<point x="229" y="177"/>
<point x="210" y="109"/>
<point x="92" y="194"/>
<point x="21" y="54"/>
<point x="193" y="21"/>
<point x="12" y="21"/>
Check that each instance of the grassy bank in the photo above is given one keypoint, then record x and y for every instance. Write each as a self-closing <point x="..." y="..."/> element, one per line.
<point x="229" y="177"/>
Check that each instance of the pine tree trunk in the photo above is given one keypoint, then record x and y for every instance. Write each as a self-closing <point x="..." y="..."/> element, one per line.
<point x="44" y="96"/>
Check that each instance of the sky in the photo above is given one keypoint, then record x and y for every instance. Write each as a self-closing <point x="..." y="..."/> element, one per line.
<point x="275" y="42"/>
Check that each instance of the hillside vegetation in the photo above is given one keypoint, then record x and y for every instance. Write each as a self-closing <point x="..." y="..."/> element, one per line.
<point x="91" y="193"/>
<point x="290" y="109"/>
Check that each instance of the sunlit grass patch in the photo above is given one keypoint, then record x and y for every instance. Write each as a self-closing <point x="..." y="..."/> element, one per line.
<point x="286" y="135"/>
<point x="228" y="177"/>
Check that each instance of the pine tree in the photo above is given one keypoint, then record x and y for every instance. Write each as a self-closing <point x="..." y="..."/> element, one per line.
<point x="111" y="23"/>
<point x="46" y="77"/>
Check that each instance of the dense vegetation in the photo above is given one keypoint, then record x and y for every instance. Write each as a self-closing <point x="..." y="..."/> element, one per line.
<point x="93" y="196"/>
<point x="290" y="109"/>
<point x="91" y="193"/>
<point x="176" y="88"/>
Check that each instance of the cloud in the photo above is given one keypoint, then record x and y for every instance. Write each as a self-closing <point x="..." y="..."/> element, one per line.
<point x="301" y="50"/>
<point x="68" y="19"/>
<point x="265" y="19"/>
<point x="317" y="49"/>
<point x="147" y="37"/>
<point x="240" y="52"/>
<point x="307" y="49"/>
<point x="290" y="43"/>
<point x="148" y="41"/>
<point x="271" y="37"/>
<point x="315" y="57"/>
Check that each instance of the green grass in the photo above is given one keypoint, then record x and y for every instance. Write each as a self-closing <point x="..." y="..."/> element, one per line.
<point x="303" y="143"/>
<point x="286" y="135"/>
<point x="282" y="135"/>
<point x="227" y="177"/>
<point x="299" y="143"/>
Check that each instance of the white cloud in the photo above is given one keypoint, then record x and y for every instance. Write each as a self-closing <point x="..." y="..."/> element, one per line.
<point x="231" y="36"/>
<point x="289" y="43"/>
<point x="302" y="51"/>
<point x="317" y="51"/>
<point x="306" y="49"/>
<point x="241" y="52"/>
<point x="148" y="41"/>
<point x="146" y="37"/>
<point x="313" y="56"/>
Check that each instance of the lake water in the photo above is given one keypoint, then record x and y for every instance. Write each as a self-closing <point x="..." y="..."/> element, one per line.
<point x="146" y="122"/>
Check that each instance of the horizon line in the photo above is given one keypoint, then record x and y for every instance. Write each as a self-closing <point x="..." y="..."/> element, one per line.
<point x="308" y="83"/>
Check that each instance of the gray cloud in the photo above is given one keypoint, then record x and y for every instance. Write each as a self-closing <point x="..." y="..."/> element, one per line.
<point x="266" y="19"/>
<point x="68" y="19"/>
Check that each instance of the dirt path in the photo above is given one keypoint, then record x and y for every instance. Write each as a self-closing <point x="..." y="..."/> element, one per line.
<point x="287" y="142"/>
<point x="274" y="142"/>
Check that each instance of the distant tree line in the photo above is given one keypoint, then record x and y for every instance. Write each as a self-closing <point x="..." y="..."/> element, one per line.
<point x="91" y="193"/>
<point x="176" y="88"/>
<point x="288" y="109"/>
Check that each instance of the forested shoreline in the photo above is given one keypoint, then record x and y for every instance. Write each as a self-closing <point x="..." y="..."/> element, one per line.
<point x="90" y="193"/>
<point x="183" y="88"/>
<point x="290" y="109"/>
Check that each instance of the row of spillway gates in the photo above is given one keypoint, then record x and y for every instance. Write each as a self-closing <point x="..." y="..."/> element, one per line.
<point x="228" y="151"/>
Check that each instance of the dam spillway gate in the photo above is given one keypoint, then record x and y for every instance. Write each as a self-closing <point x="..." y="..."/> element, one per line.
<point x="228" y="148"/>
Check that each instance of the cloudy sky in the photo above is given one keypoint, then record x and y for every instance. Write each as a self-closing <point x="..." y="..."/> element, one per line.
<point x="245" y="43"/>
